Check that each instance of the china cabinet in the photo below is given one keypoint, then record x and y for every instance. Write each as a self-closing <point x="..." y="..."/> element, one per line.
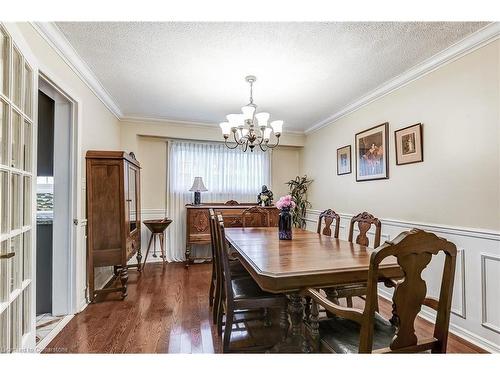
<point x="113" y="216"/>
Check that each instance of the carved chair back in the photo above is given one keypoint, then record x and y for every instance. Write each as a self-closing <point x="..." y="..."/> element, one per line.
<point x="365" y="221"/>
<point x="413" y="250"/>
<point x="255" y="217"/>
<point x="231" y="203"/>
<point x="214" y="244"/>
<point x="329" y="217"/>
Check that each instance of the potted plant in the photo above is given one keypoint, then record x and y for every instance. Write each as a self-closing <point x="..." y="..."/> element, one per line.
<point x="298" y="190"/>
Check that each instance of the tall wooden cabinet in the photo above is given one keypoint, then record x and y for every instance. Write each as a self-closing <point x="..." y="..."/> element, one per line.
<point x="113" y="216"/>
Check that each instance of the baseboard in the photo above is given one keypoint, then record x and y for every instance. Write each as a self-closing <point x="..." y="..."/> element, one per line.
<point x="456" y="330"/>
<point x="58" y="328"/>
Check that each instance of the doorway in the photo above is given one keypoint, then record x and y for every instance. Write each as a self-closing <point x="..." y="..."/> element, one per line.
<point x="54" y="210"/>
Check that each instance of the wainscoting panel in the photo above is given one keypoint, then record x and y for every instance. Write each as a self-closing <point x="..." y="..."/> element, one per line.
<point x="476" y="297"/>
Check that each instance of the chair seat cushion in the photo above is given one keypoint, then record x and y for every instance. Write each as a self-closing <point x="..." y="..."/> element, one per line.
<point x="247" y="288"/>
<point x="342" y="335"/>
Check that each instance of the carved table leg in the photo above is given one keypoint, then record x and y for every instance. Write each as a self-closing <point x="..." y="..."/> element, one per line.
<point x="124" y="281"/>
<point x="284" y="324"/>
<point x="294" y="340"/>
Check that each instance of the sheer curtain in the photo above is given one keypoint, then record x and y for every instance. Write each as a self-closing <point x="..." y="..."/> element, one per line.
<point x="227" y="174"/>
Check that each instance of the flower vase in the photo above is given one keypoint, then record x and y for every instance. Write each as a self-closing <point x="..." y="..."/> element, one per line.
<point x="285" y="224"/>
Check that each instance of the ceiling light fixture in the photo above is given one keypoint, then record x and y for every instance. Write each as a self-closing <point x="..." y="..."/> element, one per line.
<point x="251" y="129"/>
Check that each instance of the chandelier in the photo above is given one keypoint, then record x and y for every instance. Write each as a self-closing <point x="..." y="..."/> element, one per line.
<point x="251" y="129"/>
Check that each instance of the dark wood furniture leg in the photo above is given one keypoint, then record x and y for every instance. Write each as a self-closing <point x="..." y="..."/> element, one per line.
<point x="187" y="255"/>
<point x="293" y="339"/>
<point x="162" y="247"/>
<point x="124" y="281"/>
<point x="147" y="251"/>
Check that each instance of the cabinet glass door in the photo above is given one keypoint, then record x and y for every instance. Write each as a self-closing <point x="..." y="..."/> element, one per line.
<point x="132" y="198"/>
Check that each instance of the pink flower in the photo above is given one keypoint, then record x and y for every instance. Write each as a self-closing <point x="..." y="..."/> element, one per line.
<point x="285" y="202"/>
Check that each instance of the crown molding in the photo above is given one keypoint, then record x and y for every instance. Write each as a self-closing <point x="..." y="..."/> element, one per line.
<point x="56" y="39"/>
<point x="199" y="124"/>
<point x="467" y="45"/>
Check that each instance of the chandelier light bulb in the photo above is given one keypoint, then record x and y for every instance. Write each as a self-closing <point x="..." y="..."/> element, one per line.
<point x="262" y="119"/>
<point x="277" y="126"/>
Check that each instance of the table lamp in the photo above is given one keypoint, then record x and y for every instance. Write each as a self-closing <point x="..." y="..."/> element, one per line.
<point x="197" y="187"/>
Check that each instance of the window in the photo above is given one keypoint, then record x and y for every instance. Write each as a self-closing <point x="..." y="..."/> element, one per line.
<point x="227" y="174"/>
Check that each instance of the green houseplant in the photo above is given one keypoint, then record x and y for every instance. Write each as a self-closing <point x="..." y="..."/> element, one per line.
<point x="298" y="190"/>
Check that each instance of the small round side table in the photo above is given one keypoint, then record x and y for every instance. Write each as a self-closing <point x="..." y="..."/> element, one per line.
<point x="157" y="228"/>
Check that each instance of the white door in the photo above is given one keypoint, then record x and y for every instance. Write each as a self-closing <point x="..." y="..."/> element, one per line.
<point x="17" y="194"/>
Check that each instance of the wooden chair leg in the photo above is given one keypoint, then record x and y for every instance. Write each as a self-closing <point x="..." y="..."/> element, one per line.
<point x="228" y="327"/>
<point x="211" y="292"/>
<point x="220" y="314"/>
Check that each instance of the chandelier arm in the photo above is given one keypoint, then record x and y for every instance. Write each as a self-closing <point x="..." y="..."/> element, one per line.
<point x="230" y="147"/>
<point x="275" y="145"/>
<point x="262" y="148"/>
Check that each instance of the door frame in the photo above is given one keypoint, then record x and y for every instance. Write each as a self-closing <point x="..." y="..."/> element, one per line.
<point x="65" y="301"/>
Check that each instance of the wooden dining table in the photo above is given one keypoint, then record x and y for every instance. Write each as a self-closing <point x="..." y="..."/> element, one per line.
<point x="308" y="260"/>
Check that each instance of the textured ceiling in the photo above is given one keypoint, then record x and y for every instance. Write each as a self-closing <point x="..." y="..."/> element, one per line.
<point x="305" y="71"/>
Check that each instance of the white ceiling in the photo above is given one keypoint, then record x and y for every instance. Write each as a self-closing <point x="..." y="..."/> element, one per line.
<point x="305" y="71"/>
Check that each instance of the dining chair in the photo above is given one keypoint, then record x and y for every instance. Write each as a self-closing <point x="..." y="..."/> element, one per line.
<point x="236" y="267"/>
<point x="364" y="223"/>
<point x="231" y="202"/>
<point x="352" y="330"/>
<point x="255" y="217"/>
<point x="243" y="294"/>
<point x="328" y="217"/>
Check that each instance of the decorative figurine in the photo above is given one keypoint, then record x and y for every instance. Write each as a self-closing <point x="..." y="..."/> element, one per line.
<point x="265" y="198"/>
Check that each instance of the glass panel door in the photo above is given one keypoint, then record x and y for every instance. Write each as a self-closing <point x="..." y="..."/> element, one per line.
<point x="17" y="85"/>
<point x="132" y="199"/>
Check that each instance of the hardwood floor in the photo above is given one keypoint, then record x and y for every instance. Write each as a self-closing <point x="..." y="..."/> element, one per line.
<point x="167" y="311"/>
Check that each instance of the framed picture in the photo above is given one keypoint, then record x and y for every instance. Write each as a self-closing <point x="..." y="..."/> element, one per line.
<point x="344" y="160"/>
<point x="409" y="145"/>
<point x="372" y="156"/>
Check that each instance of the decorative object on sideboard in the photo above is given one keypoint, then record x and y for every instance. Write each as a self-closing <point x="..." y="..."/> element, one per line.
<point x="265" y="197"/>
<point x="298" y="190"/>
<point x="157" y="228"/>
<point x="285" y="204"/>
<point x="250" y="129"/>
<point x="372" y="156"/>
<point x="409" y="145"/>
<point x="198" y="187"/>
<point x="344" y="163"/>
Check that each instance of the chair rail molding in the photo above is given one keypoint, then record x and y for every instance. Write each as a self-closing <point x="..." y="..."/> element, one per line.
<point x="476" y="40"/>
<point x="56" y="39"/>
<point x="475" y="300"/>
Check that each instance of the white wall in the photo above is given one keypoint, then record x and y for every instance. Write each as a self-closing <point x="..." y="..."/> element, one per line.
<point x="455" y="192"/>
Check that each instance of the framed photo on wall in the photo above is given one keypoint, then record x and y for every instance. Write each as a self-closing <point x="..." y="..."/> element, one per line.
<point x="344" y="160"/>
<point x="409" y="145"/>
<point x="372" y="156"/>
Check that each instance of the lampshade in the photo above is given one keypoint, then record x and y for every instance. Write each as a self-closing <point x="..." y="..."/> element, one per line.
<point x="225" y="127"/>
<point x="267" y="133"/>
<point x="235" y="119"/>
<point x="262" y="118"/>
<point x="198" y="185"/>
<point x="277" y="126"/>
<point x="248" y="111"/>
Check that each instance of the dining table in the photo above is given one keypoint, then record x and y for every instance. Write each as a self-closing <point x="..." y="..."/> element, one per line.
<point x="308" y="260"/>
